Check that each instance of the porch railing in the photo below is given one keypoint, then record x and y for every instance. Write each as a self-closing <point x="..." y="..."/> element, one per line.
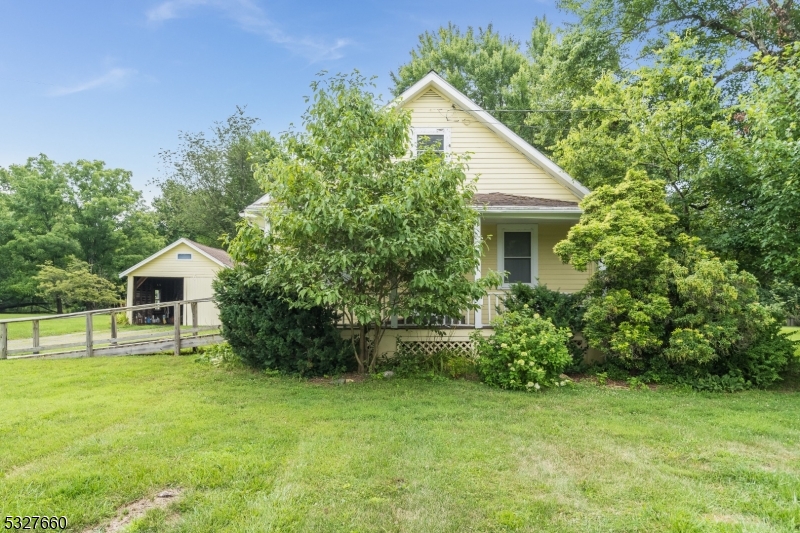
<point x="491" y="305"/>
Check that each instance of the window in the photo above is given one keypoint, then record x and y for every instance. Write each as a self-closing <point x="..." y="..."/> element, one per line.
<point x="184" y="256"/>
<point x="517" y="253"/>
<point x="436" y="138"/>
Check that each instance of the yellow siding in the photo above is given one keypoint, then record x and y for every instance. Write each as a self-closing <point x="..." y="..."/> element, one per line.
<point x="499" y="166"/>
<point x="552" y="272"/>
<point x="198" y="273"/>
<point x="168" y="265"/>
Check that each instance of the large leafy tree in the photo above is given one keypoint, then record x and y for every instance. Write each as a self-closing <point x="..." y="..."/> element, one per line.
<point x="54" y="211"/>
<point x="36" y="225"/>
<point x="736" y="30"/>
<point x="757" y="219"/>
<point x="564" y="66"/>
<point x="479" y="64"/>
<point x="356" y="225"/>
<point x="111" y="222"/>
<point x="530" y="90"/>
<point x="208" y="180"/>
<point x="666" y="118"/>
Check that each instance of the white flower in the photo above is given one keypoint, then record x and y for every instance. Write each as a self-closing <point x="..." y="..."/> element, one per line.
<point x="504" y="345"/>
<point x="535" y="315"/>
<point x="561" y="384"/>
<point x="536" y="386"/>
<point x="530" y="363"/>
<point x="530" y="384"/>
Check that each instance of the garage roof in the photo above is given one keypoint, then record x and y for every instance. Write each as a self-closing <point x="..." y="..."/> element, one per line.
<point x="216" y="255"/>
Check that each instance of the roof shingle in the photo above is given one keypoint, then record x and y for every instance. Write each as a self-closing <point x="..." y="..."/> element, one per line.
<point x="499" y="199"/>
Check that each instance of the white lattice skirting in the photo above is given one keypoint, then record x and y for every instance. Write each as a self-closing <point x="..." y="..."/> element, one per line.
<point x="428" y="348"/>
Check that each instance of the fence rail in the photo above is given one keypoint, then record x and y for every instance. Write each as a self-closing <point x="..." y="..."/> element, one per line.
<point x="172" y="338"/>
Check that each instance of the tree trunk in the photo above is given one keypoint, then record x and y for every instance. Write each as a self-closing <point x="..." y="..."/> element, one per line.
<point x="362" y="347"/>
<point x="59" y="305"/>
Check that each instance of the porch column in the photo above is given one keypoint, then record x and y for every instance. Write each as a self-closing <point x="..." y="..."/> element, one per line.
<point x="478" y="240"/>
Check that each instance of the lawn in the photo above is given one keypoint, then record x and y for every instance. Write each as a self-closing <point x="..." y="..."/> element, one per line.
<point x="60" y="326"/>
<point x="82" y="438"/>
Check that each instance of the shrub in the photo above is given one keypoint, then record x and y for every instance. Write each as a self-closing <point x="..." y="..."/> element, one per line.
<point x="445" y="362"/>
<point x="266" y="333"/>
<point x="562" y="309"/>
<point x="525" y="352"/>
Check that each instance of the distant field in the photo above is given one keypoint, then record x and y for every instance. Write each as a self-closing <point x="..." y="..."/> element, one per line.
<point x="794" y="336"/>
<point x="60" y="326"/>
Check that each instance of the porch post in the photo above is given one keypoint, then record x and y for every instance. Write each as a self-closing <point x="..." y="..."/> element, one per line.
<point x="478" y="240"/>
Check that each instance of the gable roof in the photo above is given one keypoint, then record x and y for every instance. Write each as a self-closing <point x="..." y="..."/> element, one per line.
<point x="432" y="80"/>
<point x="216" y="255"/>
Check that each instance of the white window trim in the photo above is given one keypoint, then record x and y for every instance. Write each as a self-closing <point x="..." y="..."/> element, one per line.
<point x="179" y="258"/>
<point x="501" y="240"/>
<point x="416" y="132"/>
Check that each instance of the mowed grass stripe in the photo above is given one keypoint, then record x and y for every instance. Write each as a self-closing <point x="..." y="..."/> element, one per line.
<point x="82" y="438"/>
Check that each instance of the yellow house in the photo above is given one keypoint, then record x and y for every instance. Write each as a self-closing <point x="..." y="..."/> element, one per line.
<point x="184" y="270"/>
<point x="527" y="203"/>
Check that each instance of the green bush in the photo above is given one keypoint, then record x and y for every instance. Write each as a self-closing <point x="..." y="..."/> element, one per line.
<point x="524" y="352"/>
<point x="266" y="333"/>
<point x="445" y="363"/>
<point x="562" y="309"/>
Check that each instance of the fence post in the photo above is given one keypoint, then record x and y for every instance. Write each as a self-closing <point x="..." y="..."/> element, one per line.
<point x="89" y="336"/>
<point x="113" y="328"/>
<point x="176" y="319"/>
<point x="3" y="341"/>
<point x="35" y="336"/>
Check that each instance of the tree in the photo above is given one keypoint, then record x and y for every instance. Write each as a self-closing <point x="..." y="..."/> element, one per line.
<point x="736" y="30"/>
<point x="660" y="298"/>
<point x="37" y="225"/>
<point x="770" y="149"/>
<point x="111" y="222"/>
<point x="564" y="66"/>
<point x="667" y="119"/>
<point x="356" y="225"/>
<point x="530" y="91"/>
<point x="480" y="65"/>
<point x="623" y="228"/>
<point x="75" y="285"/>
<point x="207" y="182"/>
<point x="53" y="211"/>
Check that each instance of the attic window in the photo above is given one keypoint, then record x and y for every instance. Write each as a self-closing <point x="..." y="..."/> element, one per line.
<point x="185" y="256"/>
<point x="436" y="139"/>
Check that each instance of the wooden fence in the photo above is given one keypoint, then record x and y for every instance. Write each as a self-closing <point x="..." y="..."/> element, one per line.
<point x="140" y="342"/>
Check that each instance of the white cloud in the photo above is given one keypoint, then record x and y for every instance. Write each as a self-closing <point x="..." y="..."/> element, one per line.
<point x="116" y="77"/>
<point x="251" y="18"/>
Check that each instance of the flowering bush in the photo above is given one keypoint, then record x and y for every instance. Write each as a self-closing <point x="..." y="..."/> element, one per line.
<point x="525" y="352"/>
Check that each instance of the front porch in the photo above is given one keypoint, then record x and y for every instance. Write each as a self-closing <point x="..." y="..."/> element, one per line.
<point x="518" y="236"/>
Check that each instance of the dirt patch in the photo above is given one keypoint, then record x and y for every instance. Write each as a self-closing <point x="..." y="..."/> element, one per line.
<point x="610" y="383"/>
<point x="137" y="509"/>
<point x="345" y="379"/>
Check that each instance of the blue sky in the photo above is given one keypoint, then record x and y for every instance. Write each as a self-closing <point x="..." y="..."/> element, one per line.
<point x="118" y="80"/>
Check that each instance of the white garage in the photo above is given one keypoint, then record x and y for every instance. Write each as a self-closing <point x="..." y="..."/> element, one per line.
<point x="184" y="270"/>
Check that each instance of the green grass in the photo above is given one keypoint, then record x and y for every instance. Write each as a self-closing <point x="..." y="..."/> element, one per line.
<point x="60" y="326"/>
<point x="795" y="335"/>
<point x="84" y="437"/>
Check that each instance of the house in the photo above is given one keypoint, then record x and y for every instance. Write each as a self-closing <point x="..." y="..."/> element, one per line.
<point x="183" y="270"/>
<point x="527" y="203"/>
